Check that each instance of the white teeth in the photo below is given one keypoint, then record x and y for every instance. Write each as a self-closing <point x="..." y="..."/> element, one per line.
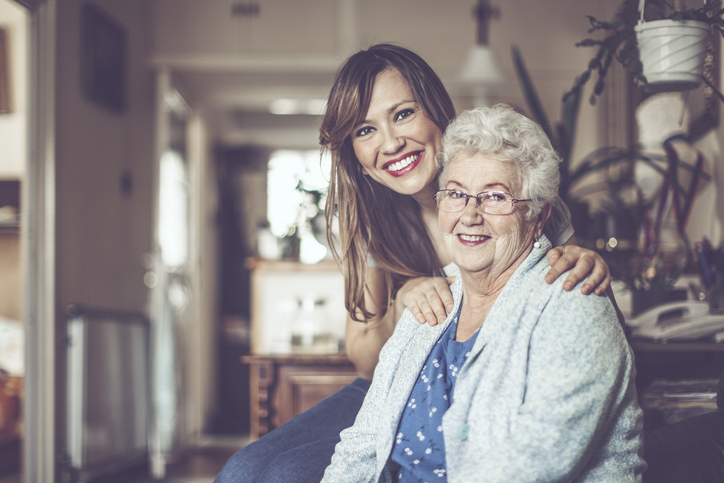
<point x="403" y="163"/>
<point x="473" y="238"/>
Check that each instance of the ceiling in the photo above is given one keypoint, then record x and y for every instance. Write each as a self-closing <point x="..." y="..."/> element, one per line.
<point x="237" y="103"/>
<point x="231" y="59"/>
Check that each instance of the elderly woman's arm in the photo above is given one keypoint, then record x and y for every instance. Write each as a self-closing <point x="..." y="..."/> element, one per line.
<point x="579" y="396"/>
<point x="355" y="457"/>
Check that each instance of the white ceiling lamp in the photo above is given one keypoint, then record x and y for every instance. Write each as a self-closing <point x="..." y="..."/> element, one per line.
<point x="481" y="76"/>
<point x="311" y="107"/>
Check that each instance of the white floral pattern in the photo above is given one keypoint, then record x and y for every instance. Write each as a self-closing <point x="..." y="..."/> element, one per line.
<point x="421" y="457"/>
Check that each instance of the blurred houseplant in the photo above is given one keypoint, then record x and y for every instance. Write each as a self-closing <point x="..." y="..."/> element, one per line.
<point x="561" y="134"/>
<point x="646" y="229"/>
<point x="623" y="225"/>
<point x="636" y="41"/>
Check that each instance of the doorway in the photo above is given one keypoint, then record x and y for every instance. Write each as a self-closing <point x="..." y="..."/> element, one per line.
<point x="14" y="111"/>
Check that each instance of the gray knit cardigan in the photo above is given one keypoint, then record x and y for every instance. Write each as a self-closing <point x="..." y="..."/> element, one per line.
<point x="547" y="393"/>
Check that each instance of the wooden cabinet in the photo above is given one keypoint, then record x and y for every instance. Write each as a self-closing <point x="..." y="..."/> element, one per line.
<point x="284" y="386"/>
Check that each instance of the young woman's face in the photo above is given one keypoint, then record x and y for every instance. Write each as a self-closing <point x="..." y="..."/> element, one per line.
<point x="397" y="143"/>
<point x="478" y="241"/>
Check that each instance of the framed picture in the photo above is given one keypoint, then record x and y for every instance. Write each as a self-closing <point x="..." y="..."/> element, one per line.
<point x="103" y="58"/>
<point x="4" y="74"/>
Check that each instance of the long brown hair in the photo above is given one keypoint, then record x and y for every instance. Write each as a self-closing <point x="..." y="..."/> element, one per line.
<point x="374" y="219"/>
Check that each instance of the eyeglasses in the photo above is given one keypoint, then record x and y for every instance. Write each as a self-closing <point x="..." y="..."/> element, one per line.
<point x="492" y="202"/>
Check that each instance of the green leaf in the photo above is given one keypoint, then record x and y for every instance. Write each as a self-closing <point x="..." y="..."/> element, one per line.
<point x="587" y="43"/>
<point x="598" y="89"/>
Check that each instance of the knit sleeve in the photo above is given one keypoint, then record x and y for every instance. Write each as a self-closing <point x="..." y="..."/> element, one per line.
<point x="579" y="396"/>
<point x="558" y="228"/>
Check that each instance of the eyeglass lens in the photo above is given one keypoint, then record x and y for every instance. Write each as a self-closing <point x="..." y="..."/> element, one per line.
<point x="492" y="202"/>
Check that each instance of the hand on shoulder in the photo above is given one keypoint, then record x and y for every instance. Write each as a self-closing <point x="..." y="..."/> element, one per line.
<point x="428" y="298"/>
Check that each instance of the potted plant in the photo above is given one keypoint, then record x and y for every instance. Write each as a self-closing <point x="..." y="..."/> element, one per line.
<point x="642" y="230"/>
<point x="640" y="39"/>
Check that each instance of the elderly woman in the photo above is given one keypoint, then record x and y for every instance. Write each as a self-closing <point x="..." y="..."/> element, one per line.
<point x="524" y="381"/>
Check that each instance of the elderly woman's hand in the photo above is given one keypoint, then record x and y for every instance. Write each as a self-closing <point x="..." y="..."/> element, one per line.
<point x="428" y="298"/>
<point x="581" y="262"/>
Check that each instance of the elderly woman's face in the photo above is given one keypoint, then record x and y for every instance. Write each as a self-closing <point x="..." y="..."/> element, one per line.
<point x="478" y="241"/>
<point x="397" y="143"/>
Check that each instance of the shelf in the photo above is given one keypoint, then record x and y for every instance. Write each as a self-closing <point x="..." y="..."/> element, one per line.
<point x="641" y="345"/>
<point x="331" y="359"/>
<point x="10" y="229"/>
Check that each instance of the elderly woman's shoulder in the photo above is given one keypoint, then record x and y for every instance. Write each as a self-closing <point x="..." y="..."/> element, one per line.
<point x="553" y="302"/>
<point x="579" y="315"/>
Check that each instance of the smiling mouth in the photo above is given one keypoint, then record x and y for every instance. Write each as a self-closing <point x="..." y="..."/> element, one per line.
<point x="403" y="163"/>
<point x="473" y="238"/>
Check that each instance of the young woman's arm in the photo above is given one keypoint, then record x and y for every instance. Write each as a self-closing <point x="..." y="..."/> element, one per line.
<point x="364" y="340"/>
<point x="582" y="263"/>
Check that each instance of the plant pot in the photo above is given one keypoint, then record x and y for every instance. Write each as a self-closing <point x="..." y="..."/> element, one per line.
<point x="672" y="52"/>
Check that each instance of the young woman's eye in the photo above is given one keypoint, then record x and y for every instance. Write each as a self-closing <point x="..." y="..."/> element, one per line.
<point x="363" y="131"/>
<point x="403" y="114"/>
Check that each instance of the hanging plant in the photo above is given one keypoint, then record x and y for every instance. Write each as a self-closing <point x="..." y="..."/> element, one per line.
<point x="620" y="43"/>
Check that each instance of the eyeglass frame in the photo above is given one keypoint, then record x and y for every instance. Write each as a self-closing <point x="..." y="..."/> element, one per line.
<point x="478" y="202"/>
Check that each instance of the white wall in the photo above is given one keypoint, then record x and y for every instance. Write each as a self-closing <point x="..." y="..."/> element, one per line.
<point x="101" y="234"/>
<point x="13" y="126"/>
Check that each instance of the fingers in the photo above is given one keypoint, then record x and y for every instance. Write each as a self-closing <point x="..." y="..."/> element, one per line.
<point x="582" y="263"/>
<point x="447" y="300"/>
<point x="428" y="299"/>
<point x="579" y="271"/>
<point x="431" y="311"/>
<point x="553" y="255"/>
<point x="598" y="281"/>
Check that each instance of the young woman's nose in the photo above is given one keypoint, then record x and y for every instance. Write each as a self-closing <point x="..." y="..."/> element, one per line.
<point x="392" y="141"/>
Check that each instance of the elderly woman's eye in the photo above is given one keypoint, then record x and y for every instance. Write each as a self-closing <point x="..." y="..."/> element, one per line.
<point x="495" y="196"/>
<point x="456" y="195"/>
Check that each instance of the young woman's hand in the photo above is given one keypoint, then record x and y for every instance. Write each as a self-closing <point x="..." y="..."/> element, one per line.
<point x="428" y="298"/>
<point x="581" y="262"/>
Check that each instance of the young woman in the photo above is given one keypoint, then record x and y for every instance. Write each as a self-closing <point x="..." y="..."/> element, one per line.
<point x="384" y="123"/>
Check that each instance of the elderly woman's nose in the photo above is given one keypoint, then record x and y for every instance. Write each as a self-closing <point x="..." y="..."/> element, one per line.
<point x="472" y="213"/>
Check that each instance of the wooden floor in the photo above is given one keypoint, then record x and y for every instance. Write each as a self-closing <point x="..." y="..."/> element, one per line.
<point x="200" y="465"/>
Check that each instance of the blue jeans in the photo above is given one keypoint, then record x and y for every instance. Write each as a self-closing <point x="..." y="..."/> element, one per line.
<point x="301" y="449"/>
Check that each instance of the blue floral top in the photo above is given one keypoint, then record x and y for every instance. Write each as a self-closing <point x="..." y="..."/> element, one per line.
<point x="418" y="454"/>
